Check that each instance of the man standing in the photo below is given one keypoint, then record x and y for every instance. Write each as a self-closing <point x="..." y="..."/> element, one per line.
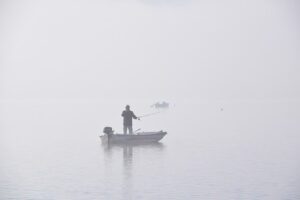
<point x="127" y="119"/>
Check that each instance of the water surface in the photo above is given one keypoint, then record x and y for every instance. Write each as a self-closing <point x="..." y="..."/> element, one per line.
<point x="230" y="151"/>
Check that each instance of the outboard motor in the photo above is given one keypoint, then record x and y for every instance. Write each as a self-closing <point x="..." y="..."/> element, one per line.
<point x="108" y="130"/>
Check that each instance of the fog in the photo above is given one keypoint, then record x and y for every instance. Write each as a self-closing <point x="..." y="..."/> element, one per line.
<point x="146" y="49"/>
<point x="229" y="69"/>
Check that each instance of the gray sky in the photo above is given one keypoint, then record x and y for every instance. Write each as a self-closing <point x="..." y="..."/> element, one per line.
<point x="149" y="49"/>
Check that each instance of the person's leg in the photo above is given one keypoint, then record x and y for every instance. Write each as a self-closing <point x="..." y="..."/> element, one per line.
<point x="125" y="130"/>
<point x="130" y="130"/>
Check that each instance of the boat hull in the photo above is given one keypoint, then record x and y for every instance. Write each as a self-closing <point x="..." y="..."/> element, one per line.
<point x="144" y="137"/>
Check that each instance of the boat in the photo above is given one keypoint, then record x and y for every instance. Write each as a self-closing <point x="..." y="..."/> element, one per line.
<point x="158" y="105"/>
<point x="136" y="138"/>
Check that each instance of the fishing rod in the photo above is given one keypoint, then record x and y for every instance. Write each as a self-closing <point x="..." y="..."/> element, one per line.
<point x="150" y="114"/>
<point x="136" y="130"/>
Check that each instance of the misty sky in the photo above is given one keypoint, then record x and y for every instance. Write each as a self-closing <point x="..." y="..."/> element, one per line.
<point x="149" y="49"/>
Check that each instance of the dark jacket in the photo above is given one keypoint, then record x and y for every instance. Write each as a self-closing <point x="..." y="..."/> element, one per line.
<point x="127" y="117"/>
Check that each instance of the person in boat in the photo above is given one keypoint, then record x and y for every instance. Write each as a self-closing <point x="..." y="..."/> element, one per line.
<point x="128" y="115"/>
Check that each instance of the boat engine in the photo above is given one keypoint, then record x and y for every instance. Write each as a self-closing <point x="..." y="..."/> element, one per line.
<point x="108" y="130"/>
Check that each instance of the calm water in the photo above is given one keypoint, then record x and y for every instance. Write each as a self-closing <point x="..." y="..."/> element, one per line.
<point x="140" y="49"/>
<point x="237" y="150"/>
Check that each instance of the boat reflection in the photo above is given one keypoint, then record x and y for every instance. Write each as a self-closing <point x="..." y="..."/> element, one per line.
<point x="114" y="152"/>
<point x="128" y="150"/>
<point x="154" y="145"/>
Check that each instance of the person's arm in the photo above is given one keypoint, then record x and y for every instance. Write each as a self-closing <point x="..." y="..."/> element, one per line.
<point x="135" y="117"/>
<point x="123" y="114"/>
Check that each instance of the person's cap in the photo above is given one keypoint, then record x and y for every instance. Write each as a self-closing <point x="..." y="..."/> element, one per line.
<point x="127" y="106"/>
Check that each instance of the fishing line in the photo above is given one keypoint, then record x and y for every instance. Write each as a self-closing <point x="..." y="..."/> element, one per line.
<point x="150" y="114"/>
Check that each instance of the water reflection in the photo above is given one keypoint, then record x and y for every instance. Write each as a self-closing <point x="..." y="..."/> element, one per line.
<point x="131" y="155"/>
<point x="128" y="154"/>
<point x="127" y="171"/>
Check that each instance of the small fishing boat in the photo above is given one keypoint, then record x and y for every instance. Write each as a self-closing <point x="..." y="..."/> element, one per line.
<point x="158" y="105"/>
<point x="137" y="138"/>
